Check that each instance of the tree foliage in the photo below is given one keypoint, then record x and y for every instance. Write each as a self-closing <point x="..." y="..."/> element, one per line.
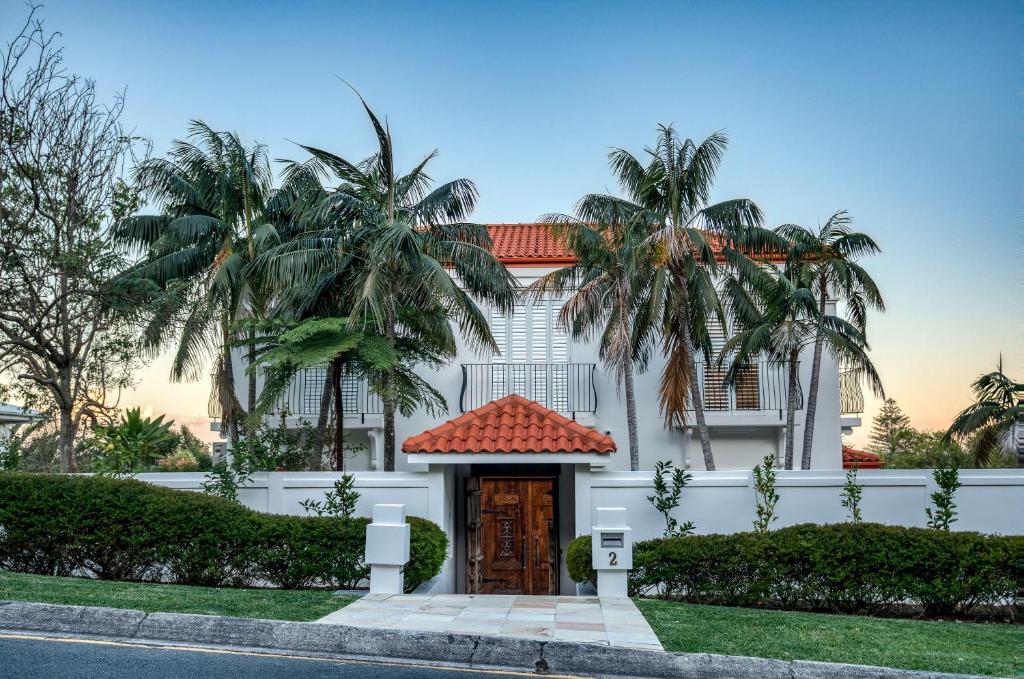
<point x="987" y="423"/>
<point x="67" y="335"/>
<point x="889" y="429"/>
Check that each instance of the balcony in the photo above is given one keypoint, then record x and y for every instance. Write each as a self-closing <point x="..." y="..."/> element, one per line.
<point x="759" y="387"/>
<point x="851" y="396"/>
<point x="302" y="397"/>
<point x="562" y="387"/>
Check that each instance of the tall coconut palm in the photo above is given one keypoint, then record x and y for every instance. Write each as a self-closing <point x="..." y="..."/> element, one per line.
<point x="667" y="195"/>
<point x="832" y="252"/>
<point x="998" y="407"/>
<point x="211" y="191"/>
<point x="612" y="270"/>
<point x="385" y="245"/>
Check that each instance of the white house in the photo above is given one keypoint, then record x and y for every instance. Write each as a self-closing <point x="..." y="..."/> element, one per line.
<point x="526" y="427"/>
<point x="540" y="362"/>
<point x="12" y="417"/>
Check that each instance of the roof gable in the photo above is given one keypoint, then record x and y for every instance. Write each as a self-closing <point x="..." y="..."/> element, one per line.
<point x="512" y="424"/>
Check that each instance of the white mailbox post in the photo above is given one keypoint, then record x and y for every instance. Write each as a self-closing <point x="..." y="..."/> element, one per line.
<point x="387" y="549"/>
<point x="612" y="551"/>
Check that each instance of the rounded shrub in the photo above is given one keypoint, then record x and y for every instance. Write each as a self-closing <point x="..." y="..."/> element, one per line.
<point x="844" y="568"/>
<point x="579" y="560"/>
<point x="428" y="548"/>
<point x="122" y="529"/>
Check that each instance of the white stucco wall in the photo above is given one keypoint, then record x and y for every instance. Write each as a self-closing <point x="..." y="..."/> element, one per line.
<point x="989" y="501"/>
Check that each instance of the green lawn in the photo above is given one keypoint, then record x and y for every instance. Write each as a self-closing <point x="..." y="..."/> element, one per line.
<point x="970" y="648"/>
<point x="274" y="604"/>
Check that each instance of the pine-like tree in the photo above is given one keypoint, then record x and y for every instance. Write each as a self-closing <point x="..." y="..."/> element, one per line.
<point x="888" y="429"/>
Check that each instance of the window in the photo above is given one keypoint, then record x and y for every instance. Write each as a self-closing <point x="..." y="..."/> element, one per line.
<point x="533" y="355"/>
<point x="747" y="385"/>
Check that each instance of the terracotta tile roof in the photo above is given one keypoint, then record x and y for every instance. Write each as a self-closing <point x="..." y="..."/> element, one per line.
<point x="532" y="244"/>
<point x="528" y="244"/>
<point x="861" y="458"/>
<point x="510" y="425"/>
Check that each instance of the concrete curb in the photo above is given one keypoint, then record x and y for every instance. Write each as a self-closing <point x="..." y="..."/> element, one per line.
<point x="558" y="657"/>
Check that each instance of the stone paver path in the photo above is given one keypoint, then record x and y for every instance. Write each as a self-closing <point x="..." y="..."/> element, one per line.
<point x="609" y="621"/>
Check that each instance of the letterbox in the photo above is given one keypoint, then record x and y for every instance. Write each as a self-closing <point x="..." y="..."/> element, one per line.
<point x="612" y="542"/>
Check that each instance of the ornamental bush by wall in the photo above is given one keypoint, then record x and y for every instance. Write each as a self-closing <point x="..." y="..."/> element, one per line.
<point x="122" y="529"/>
<point x="842" y="568"/>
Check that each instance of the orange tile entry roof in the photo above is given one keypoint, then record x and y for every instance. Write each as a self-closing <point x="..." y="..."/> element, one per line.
<point x="510" y="425"/>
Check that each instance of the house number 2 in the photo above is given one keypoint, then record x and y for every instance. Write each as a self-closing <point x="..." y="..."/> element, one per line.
<point x="613" y="559"/>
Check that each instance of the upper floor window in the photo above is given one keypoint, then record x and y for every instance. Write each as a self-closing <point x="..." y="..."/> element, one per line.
<point x="533" y="354"/>
<point x="532" y="334"/>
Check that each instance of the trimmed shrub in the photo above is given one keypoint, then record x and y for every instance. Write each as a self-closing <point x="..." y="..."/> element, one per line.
<point x="298" y="552"/>
<point x="579" y="560"/>
<point x="843" y="568"/>
<point x="122" y="529"/>
<point x="428" y="548"/>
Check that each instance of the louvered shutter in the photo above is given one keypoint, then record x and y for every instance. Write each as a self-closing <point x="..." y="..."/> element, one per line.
<point x="716" y="396"/>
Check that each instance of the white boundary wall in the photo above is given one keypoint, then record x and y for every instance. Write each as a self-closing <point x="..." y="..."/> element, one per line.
<point x="422" y="493"/>
<point x="989" y="501"/>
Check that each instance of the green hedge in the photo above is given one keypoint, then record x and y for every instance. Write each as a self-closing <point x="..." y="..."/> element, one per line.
<point x="129" y="530"/>
<point x="846" y="568"/>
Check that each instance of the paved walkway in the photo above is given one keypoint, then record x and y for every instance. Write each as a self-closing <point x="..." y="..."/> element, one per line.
<point x="609" y="621"/>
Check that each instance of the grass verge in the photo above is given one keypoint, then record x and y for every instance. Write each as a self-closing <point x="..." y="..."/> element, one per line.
<point x="959" y="647"/>
<point x="272" y="604"/>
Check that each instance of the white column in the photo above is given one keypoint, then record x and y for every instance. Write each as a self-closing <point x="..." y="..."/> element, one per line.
<point x="612" y="551"/>
<point x="387" y="549"/>
<point x="376" y="437"/>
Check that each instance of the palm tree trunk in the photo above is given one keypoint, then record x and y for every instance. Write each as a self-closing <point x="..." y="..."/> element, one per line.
<point x="229" y="411"/>
<point x="695" y="396"/>
<point x="698" y="410"/>
<point x="627" y="379"/>
<point x="389" y="408"/>
<point x="250" y="402"/>
<point x="812" y="389"/>
<point x="316" y="455"/>
<point x="339" y="417"/>
<point x="794" y="381"/>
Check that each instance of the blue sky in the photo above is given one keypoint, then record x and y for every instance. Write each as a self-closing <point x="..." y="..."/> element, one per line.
<point x="906" y="114"/>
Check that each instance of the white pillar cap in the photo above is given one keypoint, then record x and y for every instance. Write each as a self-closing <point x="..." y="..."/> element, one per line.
<point x="610" y="517"/>
<point x="389" y="514"/>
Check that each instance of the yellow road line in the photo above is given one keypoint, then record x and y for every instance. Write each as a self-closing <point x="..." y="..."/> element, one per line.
<point x="259" y="654"/>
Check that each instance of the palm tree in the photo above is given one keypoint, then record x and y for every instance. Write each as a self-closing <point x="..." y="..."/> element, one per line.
<point x="211" y="191"/>
<point x="347" y="352"/>
<point x="667" y="196"/>
<point x="775" y="316"/>
<point x="612" y="269"/>
<point x="832" y="253"/>
<point x="997" y="409"/>
<point x="381" y="248"/>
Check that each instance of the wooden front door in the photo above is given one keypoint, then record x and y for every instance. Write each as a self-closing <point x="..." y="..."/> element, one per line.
<point x="511" y="536"/>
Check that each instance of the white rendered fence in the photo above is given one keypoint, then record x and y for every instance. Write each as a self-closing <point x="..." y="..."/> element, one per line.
<point x="281" y="492"/>
<point x="989" y="501"/>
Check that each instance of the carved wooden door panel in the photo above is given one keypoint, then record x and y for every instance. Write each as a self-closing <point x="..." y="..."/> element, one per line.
<point x="503" y="513"/>
<point x="474" y="546"/>
<point x="517" y="541"/>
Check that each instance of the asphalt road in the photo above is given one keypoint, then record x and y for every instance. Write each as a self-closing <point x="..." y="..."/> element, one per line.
<point x="36" y="658"/>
